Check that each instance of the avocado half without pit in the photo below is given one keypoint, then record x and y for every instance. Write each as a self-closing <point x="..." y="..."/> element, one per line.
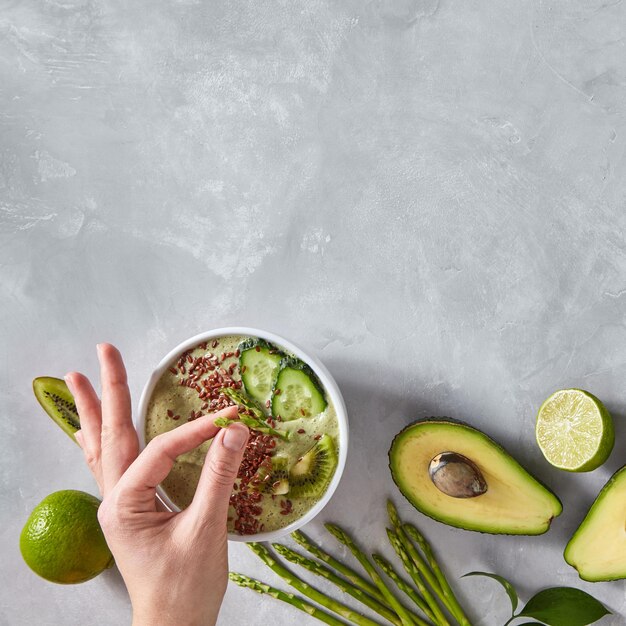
<point x="598" y="548"/>
<point x="458" y="475"/>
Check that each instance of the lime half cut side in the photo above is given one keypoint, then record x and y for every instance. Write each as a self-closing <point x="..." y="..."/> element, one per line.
<point x="574" y="431"/>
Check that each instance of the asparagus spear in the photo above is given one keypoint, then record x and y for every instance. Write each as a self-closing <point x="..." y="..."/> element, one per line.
<point x="253" y="424"/>
<point x="242" y="399"/>
<point x="388" y="568"/>
<point x="253" y="417"/>
<point x="356" y="579"/>
<point x="341" y="609"/>
<point x="424" y="568"/>
<point x="328" y="574"/>
<point x="413" y="572"/>
<point x="454" y="605"/>
<point x="289" y="598"/>
<point x="416" y="557"/>
<point x="344" y="538"/>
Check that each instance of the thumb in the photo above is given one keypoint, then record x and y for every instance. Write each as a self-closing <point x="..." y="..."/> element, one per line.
<point x="220" y="469"/>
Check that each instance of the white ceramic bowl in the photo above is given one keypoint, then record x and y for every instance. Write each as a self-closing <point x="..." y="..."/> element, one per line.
<point x="322" y="373"/>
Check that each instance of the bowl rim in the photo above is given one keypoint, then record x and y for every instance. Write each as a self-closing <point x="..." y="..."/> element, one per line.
<point x="328" y="382"/>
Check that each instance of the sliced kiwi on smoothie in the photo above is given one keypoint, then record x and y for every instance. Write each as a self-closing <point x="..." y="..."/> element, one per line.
<point x="310" y="475"/>
<point x="57" y="401"/>
<point x="272" y="477"/>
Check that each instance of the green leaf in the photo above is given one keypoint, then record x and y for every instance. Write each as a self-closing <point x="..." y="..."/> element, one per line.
<point x="510" y="590"/>
<point x="530" y="624"/>
<point x="564" y="606"/>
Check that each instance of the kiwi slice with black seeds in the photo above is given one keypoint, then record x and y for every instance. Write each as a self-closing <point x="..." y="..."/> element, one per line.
<point x="309" y="477"/>
<point x="57" y="401"/>
<point x="272" y="476"/>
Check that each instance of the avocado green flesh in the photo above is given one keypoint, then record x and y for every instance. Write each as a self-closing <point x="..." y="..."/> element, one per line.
<point x="515" y="503"/>
<point x="598" y="548"/>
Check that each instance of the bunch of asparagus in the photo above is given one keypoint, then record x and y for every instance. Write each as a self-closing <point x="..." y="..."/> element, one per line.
<point x="434" y="601"/>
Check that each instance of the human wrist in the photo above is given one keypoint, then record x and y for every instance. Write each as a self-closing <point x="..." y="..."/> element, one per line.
<point x="162" y="616"/>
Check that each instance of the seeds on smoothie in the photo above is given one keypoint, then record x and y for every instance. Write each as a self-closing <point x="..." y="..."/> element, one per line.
<point x="215" y="343"/>
<point x="173" y="370"/>
<point x="301" y="431"/>
<point x="170" y="413"/>
<point x="317" y="437"/>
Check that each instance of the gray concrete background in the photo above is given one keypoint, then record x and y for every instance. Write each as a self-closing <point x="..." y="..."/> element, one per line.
<point x="427" y="195"/>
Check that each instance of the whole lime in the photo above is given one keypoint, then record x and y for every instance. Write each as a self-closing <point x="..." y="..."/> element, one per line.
<point x="62" y="540"/>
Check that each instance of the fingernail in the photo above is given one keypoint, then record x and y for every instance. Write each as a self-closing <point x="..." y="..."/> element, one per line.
<point x="68" y="382"/>
<point x="79" y="437"/>
<point x="235" y="437"/>
<point x="99" y="349"/>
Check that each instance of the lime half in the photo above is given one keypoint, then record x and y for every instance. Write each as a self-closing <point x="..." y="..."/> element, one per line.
<point x="574" y="431"/>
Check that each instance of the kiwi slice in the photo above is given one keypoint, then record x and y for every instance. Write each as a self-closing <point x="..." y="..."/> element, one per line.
<point x="309" y="477"/>
<point x="272" y="477"/>
<point x="57" y="402"/>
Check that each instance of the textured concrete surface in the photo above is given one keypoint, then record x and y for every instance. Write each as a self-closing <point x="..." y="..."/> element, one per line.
<point x="429" y="195"/>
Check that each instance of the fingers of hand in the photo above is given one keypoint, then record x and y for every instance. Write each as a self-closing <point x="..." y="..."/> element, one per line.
<point x="119" y="439"/>
<point x="211" y="500"/>
<point x="88" y="406"/>
<point x="138" y="484"/>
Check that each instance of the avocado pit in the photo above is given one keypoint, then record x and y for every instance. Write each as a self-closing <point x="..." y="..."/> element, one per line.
<point x="456" y="476"/>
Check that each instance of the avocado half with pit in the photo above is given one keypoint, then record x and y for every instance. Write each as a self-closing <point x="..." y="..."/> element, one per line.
<point x="598" y="548"/>
<point x="459" y="476"/>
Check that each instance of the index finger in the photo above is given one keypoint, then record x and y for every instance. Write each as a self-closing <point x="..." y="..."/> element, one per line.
<point x="138" y="485"/>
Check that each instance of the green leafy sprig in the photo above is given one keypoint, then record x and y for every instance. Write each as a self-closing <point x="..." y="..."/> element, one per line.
<point x="556" y="606"/>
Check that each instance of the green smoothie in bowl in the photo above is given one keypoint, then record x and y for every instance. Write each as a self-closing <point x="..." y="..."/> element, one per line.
<point x="296" y="416"/>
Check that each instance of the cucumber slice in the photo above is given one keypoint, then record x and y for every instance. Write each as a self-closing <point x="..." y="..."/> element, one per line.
<point x="258" y="363"/>
<point x="297" y="391"/>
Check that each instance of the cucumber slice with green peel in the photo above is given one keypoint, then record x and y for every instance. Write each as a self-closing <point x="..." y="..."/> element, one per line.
<point x="297" y="391"/>
<point x="258" y="363"/>
<point x="57" y="401"/>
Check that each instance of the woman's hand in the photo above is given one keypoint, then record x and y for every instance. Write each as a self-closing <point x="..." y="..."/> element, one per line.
<point x="175" y="565"/>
